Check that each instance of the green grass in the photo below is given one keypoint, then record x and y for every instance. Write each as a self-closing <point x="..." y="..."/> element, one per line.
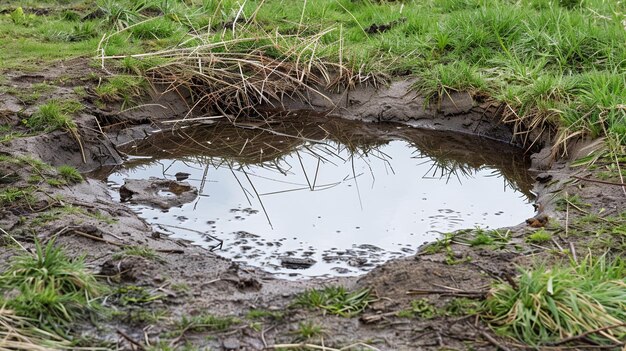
<point x="262" y="314"/>
<point x="54" y="290"/>
<point x="336" y="300"/>
<point x="12" y="195"/>
<point x="124" y="88"/>
<point x="138" y="251"/>
<point x="54" y="115"/>
<point x="489" y="238"/>
<point x="551" y="304"/>
<point x="554" y="63"/>
<point x="70" y="174"/>
<point x="540" y="236"/>
<point x="205" y="322"/>
<point x="558" y="64"/>
<point x="421" y="308"/>
<point x="307" y="331"/>
<point x="131" y="295"/>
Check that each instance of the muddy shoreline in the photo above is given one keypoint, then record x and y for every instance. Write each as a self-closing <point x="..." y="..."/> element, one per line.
<point x="194" y="280"/>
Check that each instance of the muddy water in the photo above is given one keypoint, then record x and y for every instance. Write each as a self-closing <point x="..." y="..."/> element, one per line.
<point x="325" y="196"/>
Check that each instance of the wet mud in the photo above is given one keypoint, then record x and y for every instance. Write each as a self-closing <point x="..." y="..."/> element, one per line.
<point x="194" y="280"/>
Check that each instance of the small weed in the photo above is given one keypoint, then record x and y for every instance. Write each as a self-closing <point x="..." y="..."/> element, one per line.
<point x="336" y="300"/>
<point x="81" y="92"/>
<point x="482" y="239"/>
<point x="440" y="245"/>
<point x="138" y="251"/>
<point x="121" y="88"/>
<point x="539" y="236"/>
<point x="54" y="115"/>
<point x="180" y="287"/>
<point x="461" y="306"/>
<point x="19" y="17"/>
<point x="11" y="195"/>
<point x="70" y="174"/>
<point x="421" y="308"/>
<point x="135" y="295"/>
<point x="142" y="317"/>
<point x="55" y="214"/>
<point x="118" y="14"/>
<point x="490" y="237"/>
<point x="572" y="200"/>
<point x="205" y="322"/>
<point x="57" y="183"/>
<point x="102" y="217"/>
<point x="308" y="330"/>
<point x="262" y="314"/>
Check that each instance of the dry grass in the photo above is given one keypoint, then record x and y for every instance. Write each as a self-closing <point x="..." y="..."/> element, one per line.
<point x="232" y="73"/>
<point x="19" y="333"/>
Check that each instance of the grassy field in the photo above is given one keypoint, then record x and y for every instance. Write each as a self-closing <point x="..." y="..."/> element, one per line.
<point x="553" y="65"/>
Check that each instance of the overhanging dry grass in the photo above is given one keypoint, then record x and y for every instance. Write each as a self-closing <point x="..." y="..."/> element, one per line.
<point x="234" y="72"/>
<point x="18" y="333"/>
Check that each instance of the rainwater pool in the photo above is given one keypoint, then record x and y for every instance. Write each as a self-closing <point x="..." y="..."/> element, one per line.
<point x="326" y="197"/>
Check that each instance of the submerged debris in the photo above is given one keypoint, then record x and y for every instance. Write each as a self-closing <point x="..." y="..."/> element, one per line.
<point x="297" y="263"/>
<point x="163" y="193"/>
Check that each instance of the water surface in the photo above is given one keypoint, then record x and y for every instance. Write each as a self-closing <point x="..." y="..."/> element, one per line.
<point x="346" y="195"/>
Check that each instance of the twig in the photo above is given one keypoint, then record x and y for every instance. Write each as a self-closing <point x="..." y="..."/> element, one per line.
<point x="573" y="250"/>
<point x="492" y="340"/>
<point x="15" y="241"/>
<point x="263" y="331"/>
<point x="585" y="334"/>
<point x="175" y="251"/>
<point x="95" y="238"/>
<point x="557" y="244"/>
<point x="599" y="181"/>
<point x="377" y="317"/>
<point x="567" y="219"/>
<point x="319" y="347"/>
<point x="129" y="339"/>
<point x="477" y="294"/>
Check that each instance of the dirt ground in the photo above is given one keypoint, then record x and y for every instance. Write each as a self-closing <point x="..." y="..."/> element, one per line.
<point x="192" y="281"/>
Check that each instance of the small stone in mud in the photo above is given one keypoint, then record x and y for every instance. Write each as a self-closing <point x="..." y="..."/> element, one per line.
<point x="297" y="263"/>
<point x="243" y="234"/>
<point x="357" y="261"/>
<point x="369" y="247"/>
<point x="180" y="176"/>
<point x="231" y="344"/>
<point x="341" y="270"/>
<point x="543" y="177"/>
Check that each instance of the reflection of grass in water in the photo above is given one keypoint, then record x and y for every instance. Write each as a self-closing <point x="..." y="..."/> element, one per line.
<point x="269" y="145"/>
<point x="450" y="162"/>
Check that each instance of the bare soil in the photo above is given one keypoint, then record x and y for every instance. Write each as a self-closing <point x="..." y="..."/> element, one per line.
<point x="194" y="281"/>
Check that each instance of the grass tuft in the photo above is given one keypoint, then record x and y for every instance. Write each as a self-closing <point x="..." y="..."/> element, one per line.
<point x="551" y="304"/>
<point x="54" y="115"/>
<point x="205" y="322"/>
<point x="70" y="174"/>
<point x="336" y="300"/>
<point x="138" y="251"/>
<point x="539" y="236"/>
<point x="54" y="290"/>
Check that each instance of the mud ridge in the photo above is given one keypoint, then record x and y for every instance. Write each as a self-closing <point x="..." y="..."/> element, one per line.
<point x="217" y="286"/>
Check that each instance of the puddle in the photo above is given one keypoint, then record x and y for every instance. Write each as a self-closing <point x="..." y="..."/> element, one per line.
<point x="320" y="196"/>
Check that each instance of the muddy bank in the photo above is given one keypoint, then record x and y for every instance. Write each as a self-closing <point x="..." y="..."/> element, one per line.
<point x="192" y="281"/>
